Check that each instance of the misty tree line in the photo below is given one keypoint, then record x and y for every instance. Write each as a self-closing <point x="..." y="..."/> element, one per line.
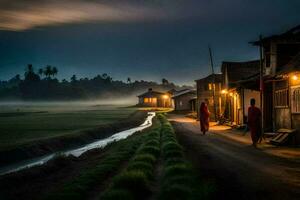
<point x="42" y="85"/>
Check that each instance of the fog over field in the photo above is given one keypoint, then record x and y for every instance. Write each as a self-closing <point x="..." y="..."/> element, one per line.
<point x="120" y="101"/>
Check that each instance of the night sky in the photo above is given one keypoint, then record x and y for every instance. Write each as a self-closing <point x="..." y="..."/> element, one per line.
<point x="148" y="40"/>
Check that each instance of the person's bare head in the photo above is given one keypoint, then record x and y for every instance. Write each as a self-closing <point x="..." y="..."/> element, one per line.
<point x="206" y="101"/>
<point x="252" y="102"/>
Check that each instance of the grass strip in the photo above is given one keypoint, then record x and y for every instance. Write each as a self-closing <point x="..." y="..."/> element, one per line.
<point x="179" y="179"/>
<point x="136" y="179"/>
<point x="118" y="153"/>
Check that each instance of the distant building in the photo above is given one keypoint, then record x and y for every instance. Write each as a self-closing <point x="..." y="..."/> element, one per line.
<point x="155" y="99"/>
<point x="207" y="88"/>
<point x="185" y="100"/>
<point x="240" y="84"/>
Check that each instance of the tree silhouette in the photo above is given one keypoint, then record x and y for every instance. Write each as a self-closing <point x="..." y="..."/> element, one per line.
<point x="30" y="75"/>
<point x="165" y="81"/>
<point x="73" y="78"/>
<point x="104" y="76"/>
<point x="48" y="71"/>
<point x="18" y="77"/>
<point x="33" y="88"/>
<point x="29" y="70"/>
<point x="54" y="71"/>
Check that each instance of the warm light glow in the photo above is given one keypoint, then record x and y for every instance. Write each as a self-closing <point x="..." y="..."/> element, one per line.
<point x="165" y="96"/>
<point x="224" y="92"/>
<point x="231" y="94"/>
<point x="295" y="77"/>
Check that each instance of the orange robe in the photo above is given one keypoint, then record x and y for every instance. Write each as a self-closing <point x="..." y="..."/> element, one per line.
<point x="204" y="117"/>
<point x="254" y="124"/>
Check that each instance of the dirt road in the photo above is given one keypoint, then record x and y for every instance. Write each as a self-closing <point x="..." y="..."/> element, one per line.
<point x="238" y="170"/>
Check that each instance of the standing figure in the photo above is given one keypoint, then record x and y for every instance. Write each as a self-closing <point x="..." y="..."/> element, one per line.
<point x="254" y="122"/>
<point x="204" y="116"/>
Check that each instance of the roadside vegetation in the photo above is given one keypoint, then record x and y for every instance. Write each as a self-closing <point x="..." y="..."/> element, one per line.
<point x="134" y="182"/>
<point x="79" y="187"/>
<point x="178" y="179"/>
<point x="147" y="165"/>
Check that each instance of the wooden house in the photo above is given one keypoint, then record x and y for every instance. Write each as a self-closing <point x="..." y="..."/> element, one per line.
<point x="281" y="85"/>
<point x="153" y="98"/>
<point x="240" y="84"/>
<point x="185" y="100"/>
<point x="210" y="88"/>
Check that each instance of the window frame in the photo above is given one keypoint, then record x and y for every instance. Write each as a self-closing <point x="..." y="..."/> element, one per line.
<point x="279" y="99"/>
<point x="293" y="88"/>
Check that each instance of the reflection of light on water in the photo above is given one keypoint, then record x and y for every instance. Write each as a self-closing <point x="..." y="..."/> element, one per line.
<point x="79" y="151"/>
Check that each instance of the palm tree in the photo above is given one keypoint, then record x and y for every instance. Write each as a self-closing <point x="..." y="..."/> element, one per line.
<point x="54" y="71"/>
<point x="29" y="70"/>
<point x="48" y="71"/>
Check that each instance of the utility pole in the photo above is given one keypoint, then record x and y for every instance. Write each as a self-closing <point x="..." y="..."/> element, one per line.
<point x="261" y="84"/>
<point x="213" y="82"/>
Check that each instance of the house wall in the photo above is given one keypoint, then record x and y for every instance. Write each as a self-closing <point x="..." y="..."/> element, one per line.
<point x="295" y="117"/>
<point x="149" y="104"/>
<point x="283" y="118"/>
<point x="167" y="103"/>
<point x="249" y="94"/>
<point x="277" y="54"/>
<point x="203" y="93"/>
<point x="183" y="102"/>
<point x="296" y="125"/>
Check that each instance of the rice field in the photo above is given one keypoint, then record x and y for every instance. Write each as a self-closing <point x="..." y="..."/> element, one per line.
<point x="25" y="123"/>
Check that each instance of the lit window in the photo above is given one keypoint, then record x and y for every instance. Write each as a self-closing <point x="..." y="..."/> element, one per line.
<point x="209" y="86"/>
<point x="154" y="100"/>
<point x="146" y="100"/>
<point x="295" y="91"/>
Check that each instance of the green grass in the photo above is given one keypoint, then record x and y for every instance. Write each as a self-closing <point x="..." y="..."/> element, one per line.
<point x="137" y="177"/>
<point x="23" y="124"/>
<point x="118" y="153"/>
<point x="179" y="179"/>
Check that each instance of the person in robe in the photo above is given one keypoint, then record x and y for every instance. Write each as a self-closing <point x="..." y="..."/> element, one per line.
<point x="254" y="122"/>
<point x="204" y="116"/>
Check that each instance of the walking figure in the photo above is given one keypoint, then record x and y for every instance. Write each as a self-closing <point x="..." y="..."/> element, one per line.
<point x="254" y="122"/>
<point x="204" y="116"/>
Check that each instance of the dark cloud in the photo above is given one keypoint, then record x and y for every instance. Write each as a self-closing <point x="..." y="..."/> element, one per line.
<point x="19" y="15"/>
<point x="27" y="14"/>
<point x="143" y="39"/>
